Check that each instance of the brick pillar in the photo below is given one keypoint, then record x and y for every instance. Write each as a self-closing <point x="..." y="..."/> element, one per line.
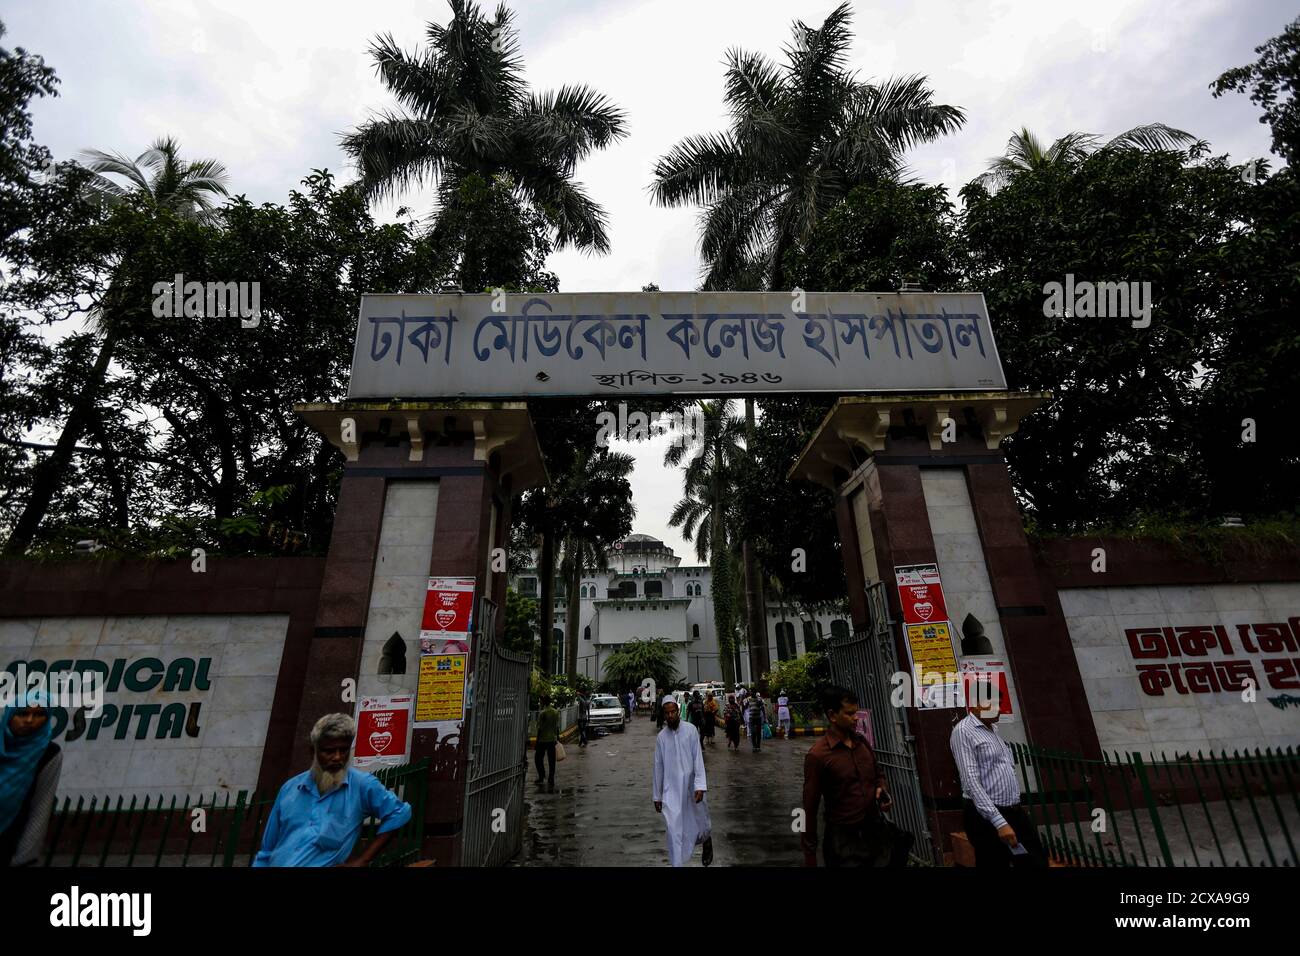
<point x="879" y="447"/>
<point x="1049" y="684"/>
<point x="900" y="528"/>
<point x="335" y="651"/>
<point x="479" y="454"/>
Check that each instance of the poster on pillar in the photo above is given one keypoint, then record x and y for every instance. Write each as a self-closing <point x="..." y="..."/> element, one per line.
<point x="440" y="689"/>
<point x="921" y="594"/>
<point x="934" y="665"/>
<point x="448" y="616"/>
<point x="995" y="670"/>
<point x="936" y="681"/>
<point x="383" y="732"/>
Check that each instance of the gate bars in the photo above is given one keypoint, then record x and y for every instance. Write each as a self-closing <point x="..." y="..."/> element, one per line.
<point x="494" y="805"/>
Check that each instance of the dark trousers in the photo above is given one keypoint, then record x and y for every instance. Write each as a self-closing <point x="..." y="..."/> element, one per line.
<point x="988" y="846"/>
<point x="872" y="842"/>
<point x="547" y="751"/>
<point x="582" y="733"/>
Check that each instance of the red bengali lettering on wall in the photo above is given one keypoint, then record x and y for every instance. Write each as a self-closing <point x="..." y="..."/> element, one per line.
<point x="1212" y="676"/>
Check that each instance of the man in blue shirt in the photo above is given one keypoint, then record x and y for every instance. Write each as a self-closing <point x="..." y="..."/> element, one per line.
<point x="318" y="814"/>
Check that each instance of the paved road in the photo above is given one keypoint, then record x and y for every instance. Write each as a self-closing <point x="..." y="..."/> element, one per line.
<point x="601" y="813"/>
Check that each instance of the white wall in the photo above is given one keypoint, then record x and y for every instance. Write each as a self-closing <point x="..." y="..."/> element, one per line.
<point x="245" y="652"/>
<point x="964" y="572"/>
<point x="400" y="583"/>
<point x="1129" y="719"/>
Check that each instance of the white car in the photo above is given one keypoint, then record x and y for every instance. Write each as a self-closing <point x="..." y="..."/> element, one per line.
<point x="605" y="711"/>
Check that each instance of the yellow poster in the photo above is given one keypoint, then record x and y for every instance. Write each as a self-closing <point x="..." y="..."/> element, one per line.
<point x="934" y="663"/>
<point x="440" y="691"/>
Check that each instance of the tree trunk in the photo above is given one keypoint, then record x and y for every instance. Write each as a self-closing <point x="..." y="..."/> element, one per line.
<point x="755" y="609"/>
<point x="546" y="601"/>
<point x="49" y="475"/>
<point x="721" y="592"/>
<point x="573" y="565"/>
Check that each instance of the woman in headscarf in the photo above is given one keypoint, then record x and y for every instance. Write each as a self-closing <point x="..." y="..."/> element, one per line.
<point x="30" y="762"/>
<point x="732" y="717"/>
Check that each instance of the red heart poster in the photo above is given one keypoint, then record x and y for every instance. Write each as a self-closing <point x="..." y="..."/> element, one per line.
<point x="449" y="605"/>
<point x="921" y="594"/>
<point x="383" y="732"/>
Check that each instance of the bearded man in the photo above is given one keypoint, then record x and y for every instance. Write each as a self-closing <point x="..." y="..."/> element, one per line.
<point x="318" y="814"/>
<point x="679" y="788"/>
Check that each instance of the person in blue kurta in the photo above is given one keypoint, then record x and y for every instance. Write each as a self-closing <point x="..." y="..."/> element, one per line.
<point x="318" y="814"/>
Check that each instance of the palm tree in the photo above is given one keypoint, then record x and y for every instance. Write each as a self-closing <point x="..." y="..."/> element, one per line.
<point x="702" y="512"/>
<point x="1025" y="152"/>
<point x="598" y="512"/>
<point x="158" y="179"/>
<point x="467" y="111"/>
<point x="801" y="137"/>
<point x="160" y="182"/>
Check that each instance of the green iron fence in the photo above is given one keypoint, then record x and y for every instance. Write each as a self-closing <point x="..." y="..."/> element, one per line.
<point x="1127" y="810"/>
<point x="163" y="832"/>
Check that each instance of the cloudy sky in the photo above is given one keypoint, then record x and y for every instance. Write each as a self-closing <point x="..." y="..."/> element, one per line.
<point x="268" y="86"/>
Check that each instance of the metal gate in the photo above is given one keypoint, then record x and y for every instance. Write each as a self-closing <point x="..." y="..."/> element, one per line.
<point x="865" y="662"/>
<point x="498" y="733"/>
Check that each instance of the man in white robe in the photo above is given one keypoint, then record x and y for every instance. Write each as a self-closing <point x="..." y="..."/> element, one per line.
<point x="679" y="787"/>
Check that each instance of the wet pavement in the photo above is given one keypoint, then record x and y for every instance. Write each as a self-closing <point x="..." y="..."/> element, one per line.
<point x="601" y="813"/>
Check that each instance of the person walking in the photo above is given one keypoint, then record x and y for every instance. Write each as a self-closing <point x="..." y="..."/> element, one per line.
<point x="695" y="712"/>
<point x="679" y="787"/>
<point x="548" y="735"/>
<point x="997" y="824"/>
<point x="841" y="769"/>
<point x="754" y="718"/>
<point x="732" y="717"/>
<point x="710" y="716"/>
<point x="783" y="714"/>
<point x="659" y="710"/>
<point x="584" y="715"/>
<point x="30" y="764"/>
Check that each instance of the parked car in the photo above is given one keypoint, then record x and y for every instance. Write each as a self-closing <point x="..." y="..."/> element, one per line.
<point x="605" y="712"/>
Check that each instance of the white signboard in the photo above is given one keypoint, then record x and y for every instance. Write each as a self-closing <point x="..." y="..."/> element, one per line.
<point x="671" y="343"/>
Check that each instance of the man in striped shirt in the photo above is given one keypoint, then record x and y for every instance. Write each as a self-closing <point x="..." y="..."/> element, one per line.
<point x="997" y="826"/>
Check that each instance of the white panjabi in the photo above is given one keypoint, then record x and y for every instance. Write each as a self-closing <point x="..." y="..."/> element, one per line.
<point x="678" y="773"/>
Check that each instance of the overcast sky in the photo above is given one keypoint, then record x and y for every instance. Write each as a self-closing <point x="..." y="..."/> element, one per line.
<point x="267" y="87"/>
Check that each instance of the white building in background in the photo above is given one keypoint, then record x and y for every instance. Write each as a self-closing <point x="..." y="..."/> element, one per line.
<point x="645" y="592"/>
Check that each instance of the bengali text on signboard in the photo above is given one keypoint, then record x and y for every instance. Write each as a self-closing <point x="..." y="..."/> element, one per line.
<point x="668" y="343"/>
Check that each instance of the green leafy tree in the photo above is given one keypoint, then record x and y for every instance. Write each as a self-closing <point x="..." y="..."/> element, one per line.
<point x="1143" y="418"/>
<point x="636" y="660"/>
<point x="800" y="677"/>
<point x="1273" y="81"/>
<point x="196" y="416"/>
<point x="1026" y="153"/>
<point x="158" y="184"/>
<point x="466" y="110"/>
<point x="520" y="622"/>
